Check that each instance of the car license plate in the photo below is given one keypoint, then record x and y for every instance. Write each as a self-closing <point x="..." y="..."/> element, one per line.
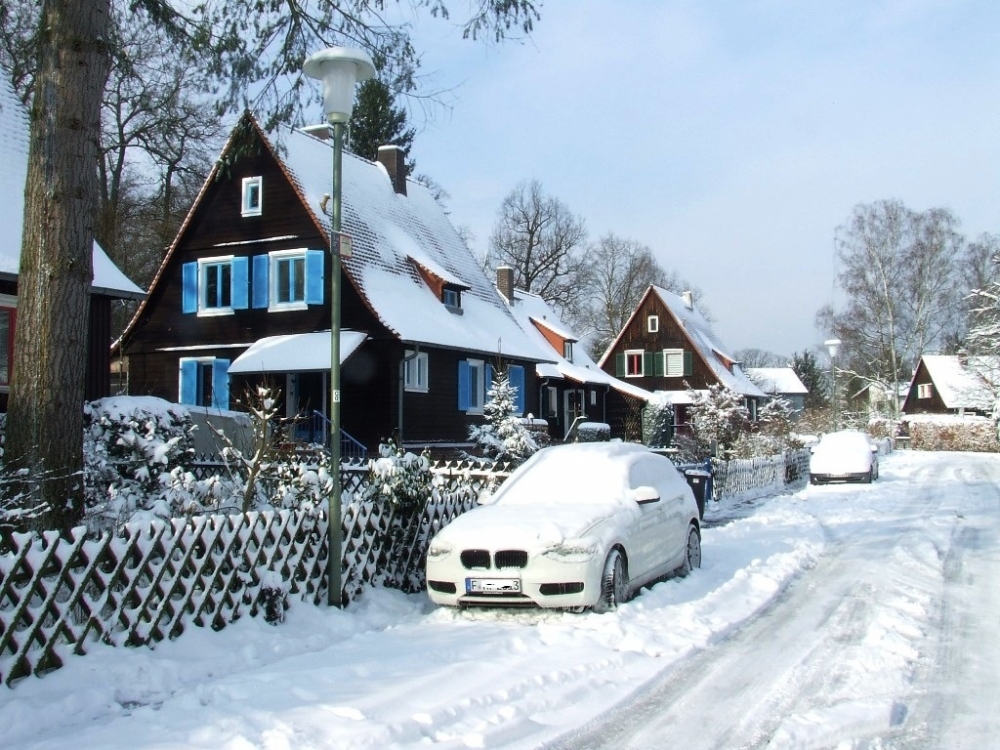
<point x="492" y="586"/>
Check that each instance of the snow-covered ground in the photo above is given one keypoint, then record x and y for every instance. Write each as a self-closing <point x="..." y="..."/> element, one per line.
<point x="836" y="617"/>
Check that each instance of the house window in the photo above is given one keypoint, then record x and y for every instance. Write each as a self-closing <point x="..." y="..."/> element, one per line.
<point x="415" y="372"/>
<point x="252" y="203"/>
<point x="653" y="323"/>
<point x="474" y="378"/>
<point x="925" y="390"/>
<point x="633" y="363"/>
<point x="204" y="381"/>
<point x="593" y="398"/>
<point x="551" y="401"/>
<point x="452" y="298"/>
<point x="288" y="279"/>
<point x="676" y="363"/>
<point x="568" y="351"/>
<point x="8" y="318"/>
<point x="215" y="286"/>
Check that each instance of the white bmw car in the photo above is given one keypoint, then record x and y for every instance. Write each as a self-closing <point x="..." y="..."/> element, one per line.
<point x="576" y="526"/>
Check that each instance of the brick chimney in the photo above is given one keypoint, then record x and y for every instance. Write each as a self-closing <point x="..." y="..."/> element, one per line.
<point x="505" y="282"/>
<point x="394" y="161"/>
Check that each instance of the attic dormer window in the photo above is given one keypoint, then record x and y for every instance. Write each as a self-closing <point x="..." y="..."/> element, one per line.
<point x="451" y="297"/>
<point x="252" y="196"/>
<point x="568" y="351"/>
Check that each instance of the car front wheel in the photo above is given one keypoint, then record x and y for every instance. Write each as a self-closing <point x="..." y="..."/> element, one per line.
<point x="692" y="556"/>
<point x="614" y="583"/>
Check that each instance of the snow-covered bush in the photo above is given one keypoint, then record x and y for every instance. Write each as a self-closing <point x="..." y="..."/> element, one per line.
<point x="504" y="437"/>
<point x="402" y="483"/>
<point x="657" y="424"/>
<point x="593" y="432"/>
<point x="716" y="417"/>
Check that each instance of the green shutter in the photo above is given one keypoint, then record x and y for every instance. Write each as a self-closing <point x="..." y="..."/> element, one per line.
<point x="688" y="363"/>
<point x="647" y="363"/>
<point x="658" y="359"/>
<point x="620" y="365"/>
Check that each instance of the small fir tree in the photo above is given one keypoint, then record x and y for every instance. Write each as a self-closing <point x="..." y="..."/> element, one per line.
<point x="504" y="437"/>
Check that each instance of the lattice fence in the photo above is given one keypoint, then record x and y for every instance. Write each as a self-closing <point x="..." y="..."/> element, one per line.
<point x="759" y="475"/>
<point x="148" y="582"/>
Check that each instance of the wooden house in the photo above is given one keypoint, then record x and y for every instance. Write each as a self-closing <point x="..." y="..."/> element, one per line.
<point x="242" y="297"/>
<point x="572" y="388"/>
<point x="952" y="384"/>
<point x="668" y="347"/>
<point x="109" y="283"/>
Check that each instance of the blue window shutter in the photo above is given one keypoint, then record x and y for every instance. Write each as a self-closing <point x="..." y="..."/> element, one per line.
<point x="314" y="277"/>
<point x="464" y="397"/>
<point x="688" y="363"/>
<point x="189" y="288"/>
<point x="261" y="280"/>
<point x="620" y="365"/>
<point x="220" y="383"/>
<point x="189" y="381"/>
<point x="241" y="283"/>
<point x="516" y="373"/>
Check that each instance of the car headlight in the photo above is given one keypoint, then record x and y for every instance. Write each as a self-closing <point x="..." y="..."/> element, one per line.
<point x="438" y="551"/>
<point x="572" y="551"/>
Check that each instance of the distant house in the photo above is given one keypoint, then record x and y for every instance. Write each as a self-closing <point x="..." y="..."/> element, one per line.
<point x="781" y="382"/>
<point x="572" y="388"/>
<point x="109" y="282"/>
<point x="242" y="297"/>
<point x="950" y="384"/>
<point x="876" y="399"/>
<point x="668" y="346"/>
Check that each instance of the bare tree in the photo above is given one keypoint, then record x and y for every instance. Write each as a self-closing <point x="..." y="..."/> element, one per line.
<point x="543" y="242"/>
<point x="619" y="271"/>
<point x="760" y="358"/>
<point x="902" y="289"/>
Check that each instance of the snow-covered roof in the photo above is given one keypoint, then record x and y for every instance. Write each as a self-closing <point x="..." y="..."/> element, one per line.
<point x="963" y="385"/>
<point x="390" y="232"/>
<point x="531" y="310"/>
<point x="108" y="278"/>
<point x="724" y="366"/>
<point x="777" y="380"/>
<point x="298" y="352"/>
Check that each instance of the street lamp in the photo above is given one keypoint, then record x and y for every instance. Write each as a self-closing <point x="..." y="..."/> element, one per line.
<point x="339" y="68"/>
<point x="832" y="347"/>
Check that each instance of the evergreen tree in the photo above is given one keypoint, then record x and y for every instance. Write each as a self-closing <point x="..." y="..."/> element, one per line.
<point x="504" y="437"/>
<point x="376" y="121"/>
<point x="813" y="378"/>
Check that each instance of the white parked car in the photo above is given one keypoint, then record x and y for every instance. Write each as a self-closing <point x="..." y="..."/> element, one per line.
<point x="576" y="526"/>
<point x="844" y="456"/>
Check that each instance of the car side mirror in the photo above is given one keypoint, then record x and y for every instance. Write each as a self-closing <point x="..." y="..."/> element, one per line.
<point x="645" y="494"/>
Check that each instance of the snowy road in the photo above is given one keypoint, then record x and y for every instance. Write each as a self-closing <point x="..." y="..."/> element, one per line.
<point x="836" y="617"/>
<point x="793" y="676"/>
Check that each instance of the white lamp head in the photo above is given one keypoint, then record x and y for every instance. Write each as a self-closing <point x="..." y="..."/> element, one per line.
<point x="832" y="346"/>
<point x="339" y="68"/>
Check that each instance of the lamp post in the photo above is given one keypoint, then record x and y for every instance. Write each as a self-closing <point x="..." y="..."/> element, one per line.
<point x="339" y="68"/>
<point x="832" y="347"/>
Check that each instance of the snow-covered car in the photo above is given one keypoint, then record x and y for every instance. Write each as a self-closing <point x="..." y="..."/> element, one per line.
<point x="844" y="456"/>
<point x="576" y="526"/>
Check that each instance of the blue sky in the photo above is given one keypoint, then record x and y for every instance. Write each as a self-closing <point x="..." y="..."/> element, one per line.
<point x="730" y="137"/>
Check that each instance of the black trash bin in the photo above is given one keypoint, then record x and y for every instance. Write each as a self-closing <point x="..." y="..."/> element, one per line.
<point x="697" y="480"/>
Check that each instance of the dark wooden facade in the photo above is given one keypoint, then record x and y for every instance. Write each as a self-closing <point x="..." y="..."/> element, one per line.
<point x="373" y="406"/>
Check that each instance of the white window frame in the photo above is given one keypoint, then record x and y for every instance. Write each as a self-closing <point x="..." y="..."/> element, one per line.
<point x="551" y="401"/>
<point x="477" y="386"/>
<point x="252" y="186"/>
<point x="415" y="372"/>
<point x="568" y="351"/>
<point x="203" y="265"/>
<point x="925" y="390"/>
<point x="673" y="363"/>
<point x="642" y="356"/>
<point x="276" y="257"/>
<point x="451" y="298"/>
<point x="653" y="324"/>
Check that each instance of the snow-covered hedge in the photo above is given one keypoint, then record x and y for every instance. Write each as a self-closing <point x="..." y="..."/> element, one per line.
<point x="942" y="432"/>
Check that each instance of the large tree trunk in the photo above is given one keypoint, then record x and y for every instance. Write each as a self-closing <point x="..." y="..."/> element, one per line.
<point x="45" y="414"/>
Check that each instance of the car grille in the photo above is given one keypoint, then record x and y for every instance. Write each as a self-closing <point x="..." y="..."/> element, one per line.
<point x="558" y="589"/>
<point x="479" y="559"/>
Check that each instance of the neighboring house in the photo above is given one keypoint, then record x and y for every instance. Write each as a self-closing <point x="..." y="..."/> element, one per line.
<point x="951" y="384"/>
<point x="242" y="298"/>
<point x="781" y="382"/>
<point x="876" y="399"/>
<point x="667" y="345"/>
<point x="572" y="388"/>
<point x="109" y="282"/>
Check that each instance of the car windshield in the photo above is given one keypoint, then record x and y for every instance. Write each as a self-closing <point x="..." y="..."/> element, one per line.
<point x="567" y="478"/>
